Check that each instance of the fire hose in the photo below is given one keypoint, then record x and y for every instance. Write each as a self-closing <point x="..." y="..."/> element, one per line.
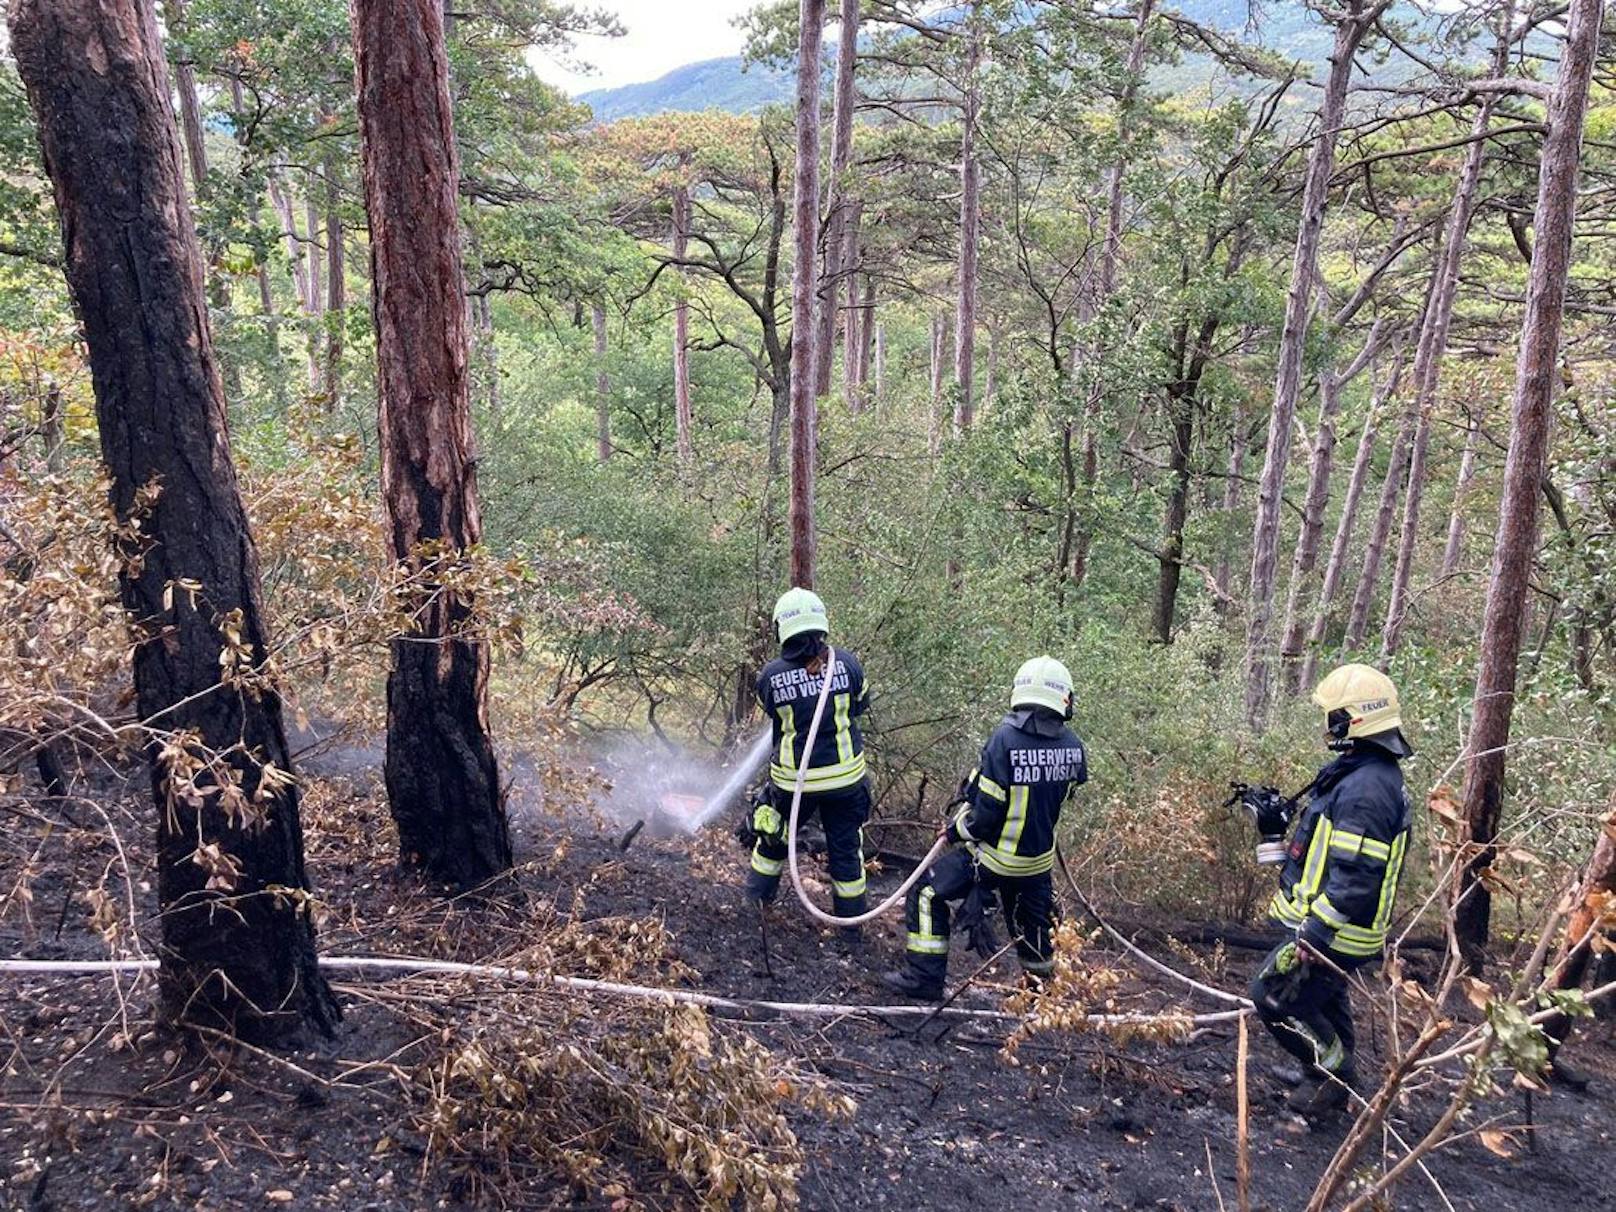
<point x="814" y="911"/>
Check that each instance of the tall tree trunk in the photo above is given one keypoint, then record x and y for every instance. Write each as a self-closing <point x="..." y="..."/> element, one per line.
<point x="234" y="953"/>
<point x="282" y="205"/>
<point x="603" y="386"/>
<point x="1374" y="554"/>
<point x="969" y="224"/>
<point x="853" y="328"/>
<point x="1320" y="468"/>
<point x="839" y="217"/>
<point x="1182" y="400"/>
<point x="1335" y="568"/>
<point x="880" y="363"/>
<point x="314" y="253"/>
<point x="866" y="346"/>
<point x="442" y="780"/>
<point x="939" y="351"/>
<point x="336" y="275"/>
<point x="1454" y="550"/>
<point x="1082" y="536"/>
<point x="1516" y="545"/>
<point x="1428" y="358"/>
<point x="681" y="329"/>
<point x="1234" y="481"/>
<point x="255" y="214"/>
<point x="805" y="216"/>
<point x="1349" y="32"/>
<point x="196" y="151"/>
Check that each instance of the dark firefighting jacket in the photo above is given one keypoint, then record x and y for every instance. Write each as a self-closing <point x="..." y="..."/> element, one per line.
<point x="789" y="694"/>
<point x="1013" y="798"/>
<point x="1339" y="882"/>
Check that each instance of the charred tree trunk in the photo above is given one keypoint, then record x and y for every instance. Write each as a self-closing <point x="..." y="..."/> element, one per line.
<point x="805" y="217"/>
<point x="603" y="386"/>
<point x="1350" y="31"/>
<point x="1533" y="411"/>
<point x="1428" y="360"/>
<point x="234" y="954"/>
<point x="1453" y="551"/>
<point x="970" y="212"/>
<point x="442" y="780"/>
<point x="839" y="219"/>
<point x="681" y="329"/>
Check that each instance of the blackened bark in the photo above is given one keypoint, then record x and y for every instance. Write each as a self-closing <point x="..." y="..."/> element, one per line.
<point x="1524" y="468"/>
<point x="805" y="218"/>
<point x="235" y="954"/>
<point x="442" y="782"/>
<point x="1583" y="927"/>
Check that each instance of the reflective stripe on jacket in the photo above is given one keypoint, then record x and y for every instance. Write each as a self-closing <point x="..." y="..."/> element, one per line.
<point x="1339" y="883"/>
<point x="789" y="694"/>
<point x="1014" y="796"/>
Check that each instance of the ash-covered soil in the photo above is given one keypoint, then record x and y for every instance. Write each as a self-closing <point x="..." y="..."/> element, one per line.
<point x="101" y="1112"/>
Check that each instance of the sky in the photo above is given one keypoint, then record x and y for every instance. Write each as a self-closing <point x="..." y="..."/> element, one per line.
<point x="662" y="35"/>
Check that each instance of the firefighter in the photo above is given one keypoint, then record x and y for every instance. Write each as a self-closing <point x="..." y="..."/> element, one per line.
<point x="788" y="689"/>
<point x="1338" y="885"/>
<point x="1012" y="802"/>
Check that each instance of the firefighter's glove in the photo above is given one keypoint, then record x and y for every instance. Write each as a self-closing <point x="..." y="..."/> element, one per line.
<point x="975" y="920"/>
<point x="767" y="823"/>
<point x="1287" y="959"/>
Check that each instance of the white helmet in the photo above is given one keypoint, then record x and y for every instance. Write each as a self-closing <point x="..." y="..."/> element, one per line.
<point x="1043" y="682"/>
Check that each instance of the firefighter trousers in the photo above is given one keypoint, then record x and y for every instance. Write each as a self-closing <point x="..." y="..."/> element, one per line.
<point x="1308" y="1009"/>
<point x="842" y="813"/>
<point x="1028" y="903"/>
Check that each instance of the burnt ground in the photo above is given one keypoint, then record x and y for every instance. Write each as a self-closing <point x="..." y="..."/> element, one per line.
<point x="97" y="1110"/>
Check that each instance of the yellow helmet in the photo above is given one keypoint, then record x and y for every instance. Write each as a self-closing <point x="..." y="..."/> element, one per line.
<point x="1044" y="682"/>
<point x="798" y="611"/>
<point x="1359" y="702"/>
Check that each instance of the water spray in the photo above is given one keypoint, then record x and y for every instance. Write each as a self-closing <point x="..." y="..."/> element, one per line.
<point x="679" y="811"/>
